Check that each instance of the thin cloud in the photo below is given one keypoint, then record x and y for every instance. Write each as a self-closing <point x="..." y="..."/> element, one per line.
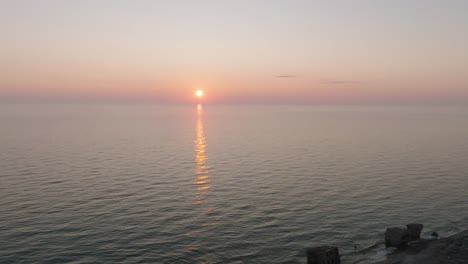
<point x="286" y="76"/>
<point x="341" y="82"/>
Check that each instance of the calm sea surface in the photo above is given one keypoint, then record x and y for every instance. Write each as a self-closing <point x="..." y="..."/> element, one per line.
<point x="223" y="184"/>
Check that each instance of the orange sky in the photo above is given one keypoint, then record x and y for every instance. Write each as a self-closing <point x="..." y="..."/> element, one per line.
<point x="240" y="51"/>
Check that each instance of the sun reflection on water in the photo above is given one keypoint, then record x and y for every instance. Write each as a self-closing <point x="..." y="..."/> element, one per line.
<point x="202" y="180"/>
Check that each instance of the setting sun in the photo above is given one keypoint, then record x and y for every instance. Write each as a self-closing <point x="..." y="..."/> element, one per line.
<point x="199" y="93"/>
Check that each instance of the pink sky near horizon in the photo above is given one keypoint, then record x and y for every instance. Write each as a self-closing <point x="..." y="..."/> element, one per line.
<point x="239" y="51"/>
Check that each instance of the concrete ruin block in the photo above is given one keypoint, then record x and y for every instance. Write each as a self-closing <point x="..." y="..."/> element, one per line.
<point x="396" y="237"/>
<point x="414" y="231"/>
<point x="323" y="255"/>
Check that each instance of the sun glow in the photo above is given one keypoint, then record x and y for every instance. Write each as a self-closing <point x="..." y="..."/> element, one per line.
<point x="199" y="93"/>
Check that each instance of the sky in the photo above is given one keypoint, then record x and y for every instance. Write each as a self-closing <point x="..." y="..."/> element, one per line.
<point x="259" y="51"/>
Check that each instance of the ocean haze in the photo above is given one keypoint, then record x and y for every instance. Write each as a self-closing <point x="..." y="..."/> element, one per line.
<point x="225" y="184"/>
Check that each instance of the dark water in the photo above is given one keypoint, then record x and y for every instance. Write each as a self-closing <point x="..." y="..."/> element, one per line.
<point x="222" y="184"/>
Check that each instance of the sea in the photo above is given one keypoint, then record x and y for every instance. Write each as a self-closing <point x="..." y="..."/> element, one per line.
<point x="160" y="183"/>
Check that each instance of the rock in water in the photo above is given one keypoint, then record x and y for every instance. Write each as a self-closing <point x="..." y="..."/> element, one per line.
<point x="396" y="237"/>
<point x="435" y="234"/>
<point x="323" y="255"/>
<point x="414" y="231"/>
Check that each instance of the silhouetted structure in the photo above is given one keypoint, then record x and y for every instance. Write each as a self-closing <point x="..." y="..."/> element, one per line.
<point x="323" y="255"/>
<point x="399" y="237"/>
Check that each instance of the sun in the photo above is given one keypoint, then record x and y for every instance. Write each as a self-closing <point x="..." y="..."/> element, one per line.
<point x="199" y="93"/>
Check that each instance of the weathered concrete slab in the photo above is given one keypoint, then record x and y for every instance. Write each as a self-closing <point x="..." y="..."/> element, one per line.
<point x="396" y="237"/>
<point x="323" y="255"/>
<point x="414" y="231"/>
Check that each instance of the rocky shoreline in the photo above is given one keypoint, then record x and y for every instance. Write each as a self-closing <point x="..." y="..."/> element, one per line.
<point x="450" y="250"/>
<point x="409" y="248"/>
